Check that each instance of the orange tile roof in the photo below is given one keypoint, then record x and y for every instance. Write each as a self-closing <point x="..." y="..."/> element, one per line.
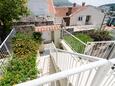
<point x="51" y="7"/>
<point x="61" y="11"/>
<point x="79" y="10"/>
<point x="47" y="28"/>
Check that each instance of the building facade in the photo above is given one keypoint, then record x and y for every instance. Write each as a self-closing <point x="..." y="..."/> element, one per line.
<point x="41" y="7"/>
<point x="87" y="15"/>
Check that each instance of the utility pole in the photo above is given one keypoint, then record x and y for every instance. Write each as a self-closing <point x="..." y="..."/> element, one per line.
<point x="103" y="21"/>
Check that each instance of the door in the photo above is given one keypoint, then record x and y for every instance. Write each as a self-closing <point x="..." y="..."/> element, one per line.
<point x="88" y="18"/>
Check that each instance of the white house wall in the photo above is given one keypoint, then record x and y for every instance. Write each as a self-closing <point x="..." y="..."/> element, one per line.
<point x="46" y="36"/>
<point x="96" y="17"/>
<point x="38" y="7"/>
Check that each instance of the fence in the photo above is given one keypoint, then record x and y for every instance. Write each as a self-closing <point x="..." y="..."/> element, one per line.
<point x="6" y="51"/>
<point x="72" y="60"/>
<point x="74" y="42"/>
<point x="102" y="49"/>
<point x="97" y="72"/>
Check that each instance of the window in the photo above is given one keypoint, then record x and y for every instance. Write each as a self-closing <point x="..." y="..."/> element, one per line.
<point x="80" y="18"/>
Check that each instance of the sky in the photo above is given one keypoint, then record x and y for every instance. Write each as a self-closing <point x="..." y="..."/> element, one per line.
<point x="93" y="2"/>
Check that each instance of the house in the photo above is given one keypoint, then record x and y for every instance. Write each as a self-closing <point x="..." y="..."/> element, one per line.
<point x="87" y="15"/>
<point x="80" y="15"/>
<point x="50" y="33"/>
<point x="41" y="7"/>
<point x="44" y="9"/>
<point x="62" y="12"/>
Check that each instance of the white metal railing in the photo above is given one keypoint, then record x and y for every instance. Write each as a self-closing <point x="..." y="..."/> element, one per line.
<point x="72" y="60"/>
<point x="74" y="42"/>
<point x="102" y="49"/>
<point x="98" y="73"/>
<point x="77" y="70"/>
<point x="6" y="51"/>
<point x="82" y="27"/>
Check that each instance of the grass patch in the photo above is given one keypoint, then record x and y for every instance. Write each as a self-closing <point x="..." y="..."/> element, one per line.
<point x="75" y="44"/>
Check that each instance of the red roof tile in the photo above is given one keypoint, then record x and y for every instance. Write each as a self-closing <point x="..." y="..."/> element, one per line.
<point x="47" y="28"/>
<point x="79" y="10"/>
<point x="61" y="11"/>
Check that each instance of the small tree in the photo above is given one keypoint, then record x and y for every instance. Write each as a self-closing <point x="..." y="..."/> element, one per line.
<point x="11" y="10"/>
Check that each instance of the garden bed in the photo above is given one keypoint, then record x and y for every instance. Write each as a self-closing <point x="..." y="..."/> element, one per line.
<point x="22" y="67"/>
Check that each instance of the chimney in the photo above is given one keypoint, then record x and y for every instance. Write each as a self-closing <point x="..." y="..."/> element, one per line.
<point x="74" y="4"/>
<point x="69" y="11"/>
<point x="83" y="3"/>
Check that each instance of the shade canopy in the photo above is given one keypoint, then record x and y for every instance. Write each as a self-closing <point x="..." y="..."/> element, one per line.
<point x="47" y="28"/>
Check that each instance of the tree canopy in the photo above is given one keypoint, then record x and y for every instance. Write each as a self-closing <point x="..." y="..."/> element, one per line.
<point x="11" y="10"/>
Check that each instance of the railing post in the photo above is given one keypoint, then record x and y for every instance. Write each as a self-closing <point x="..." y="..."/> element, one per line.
<point x="100" y="75"/>
<point x="8" y="50"/>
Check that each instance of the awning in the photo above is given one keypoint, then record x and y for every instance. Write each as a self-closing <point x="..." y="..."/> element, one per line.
<point x="47" y="28"/>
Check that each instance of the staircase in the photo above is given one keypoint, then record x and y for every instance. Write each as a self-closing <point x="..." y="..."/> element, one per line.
<point x="63" y="68"/>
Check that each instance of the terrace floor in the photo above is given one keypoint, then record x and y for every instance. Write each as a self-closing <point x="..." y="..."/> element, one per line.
<point x="82" y="28"/>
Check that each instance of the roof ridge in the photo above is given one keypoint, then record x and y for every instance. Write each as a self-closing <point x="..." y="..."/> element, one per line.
<point x="80" y="9"/>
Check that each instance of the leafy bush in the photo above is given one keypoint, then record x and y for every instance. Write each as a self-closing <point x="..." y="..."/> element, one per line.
<point x="100" y="35"/>
<point x="20" y="70"/>
<point x="37" y="36"/>
<point x="23" y="45"/>
<point x="22" y="67"/>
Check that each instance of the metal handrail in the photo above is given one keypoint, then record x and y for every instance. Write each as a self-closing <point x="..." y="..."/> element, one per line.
<point x="82" y="56"/>
<point x="91" y="58"/>
<point x="100" y="65"/>
<point x="64" y="74"/>
<point x="101" y="42"/>
<point x="7" y="38"/>
<point x="76" y="38"/>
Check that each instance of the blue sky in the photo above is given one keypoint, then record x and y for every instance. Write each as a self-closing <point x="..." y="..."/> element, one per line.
<point x="94" y="2"/>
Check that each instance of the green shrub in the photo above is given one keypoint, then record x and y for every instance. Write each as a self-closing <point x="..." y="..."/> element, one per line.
<point x="37" y="36"/>
<point x="22" y="67"/>
<point x="20" y="70"/>
<point x="24" y="46"/>
<point x="100" y="35"/>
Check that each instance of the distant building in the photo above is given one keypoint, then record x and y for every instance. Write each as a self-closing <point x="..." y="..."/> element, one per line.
<point x="80" y="15"/>
<point x="62" y="12"/>
<point x="87" y="15"/>
<point x="41" y="7"/>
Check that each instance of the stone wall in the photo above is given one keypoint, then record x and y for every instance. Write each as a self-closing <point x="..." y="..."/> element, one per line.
<point x="26" y="29"/>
